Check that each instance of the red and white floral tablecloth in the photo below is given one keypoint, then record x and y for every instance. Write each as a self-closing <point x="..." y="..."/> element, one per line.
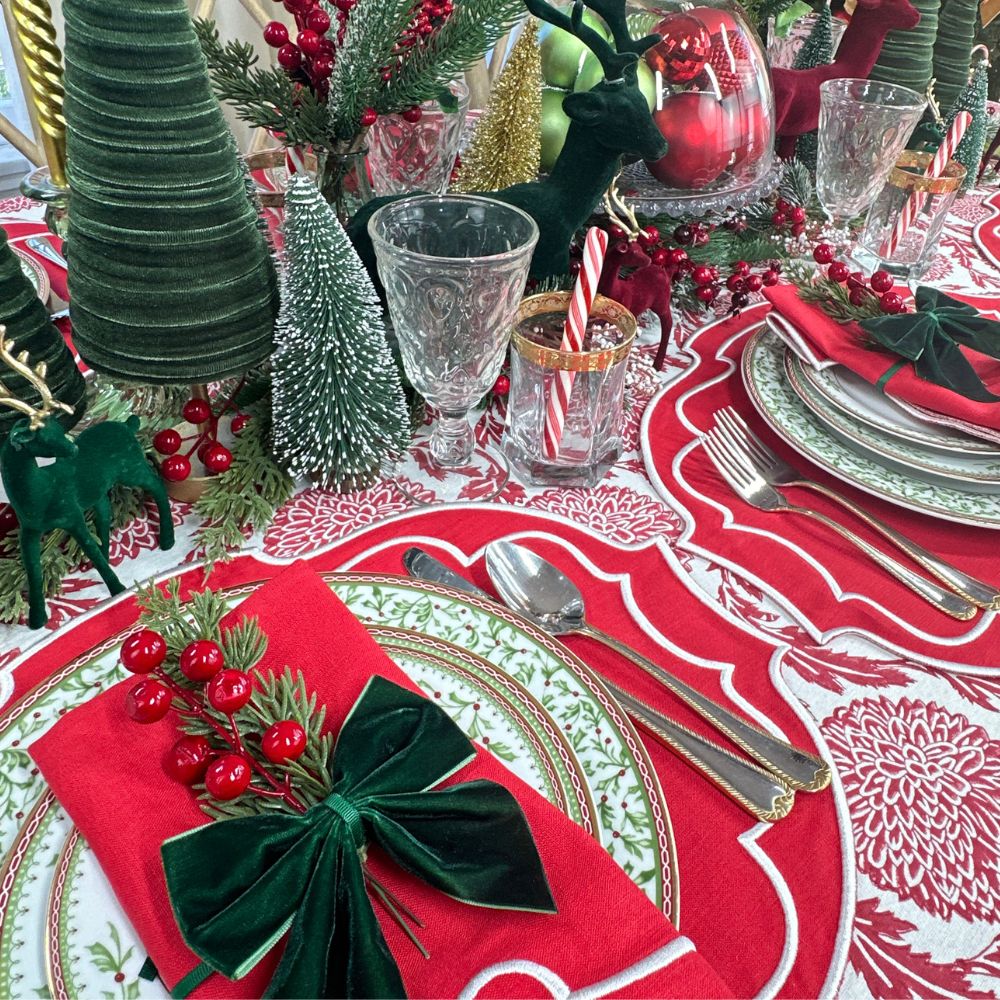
<point x="914" y="737"/>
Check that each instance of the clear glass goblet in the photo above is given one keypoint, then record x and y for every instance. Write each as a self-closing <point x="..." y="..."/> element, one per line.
<point x="454" y="269"/>
<point x="863" y="127"/>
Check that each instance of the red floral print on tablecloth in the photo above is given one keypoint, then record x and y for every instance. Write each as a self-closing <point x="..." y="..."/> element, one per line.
<point x="614" y="511"/>
<point x="315" y="518"/>
<point x="142" y="533"/>
<point x="8" y="206"/>
<point x="923" y="788"/>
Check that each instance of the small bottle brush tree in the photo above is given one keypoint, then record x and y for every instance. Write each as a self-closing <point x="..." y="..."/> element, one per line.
<point x="338" y="403"/>
<point x="28" y="325"/>
<point x="972" y="98"/>
<point x="817" y="50"/>
<point x="507" y="146"/>
<point x="170" y="277"/>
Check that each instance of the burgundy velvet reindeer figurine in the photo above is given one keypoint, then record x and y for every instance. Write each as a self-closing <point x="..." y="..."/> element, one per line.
<point x="46" y="497"/>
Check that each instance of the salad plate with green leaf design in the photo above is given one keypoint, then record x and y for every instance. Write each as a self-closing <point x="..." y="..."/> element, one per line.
<point x="773" y="396"/>
<point x="508" y="685"/>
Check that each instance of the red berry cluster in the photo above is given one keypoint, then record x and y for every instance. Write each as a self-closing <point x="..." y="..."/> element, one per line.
<point x="787" y="214"/>
<point x="310" y="57"/>
<point x="192" y="759"/>
<point x="216" y="457"/>
<point x="860" y="290"/>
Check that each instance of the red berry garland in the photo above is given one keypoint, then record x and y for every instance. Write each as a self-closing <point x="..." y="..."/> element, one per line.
<point x="201" y="660"/>
<point x="188" y="759"/>
<point x="143" y="651"/>
<point x="228" y="777"/>
<point x="823" y="253"/>
<point x="284" y="741"/>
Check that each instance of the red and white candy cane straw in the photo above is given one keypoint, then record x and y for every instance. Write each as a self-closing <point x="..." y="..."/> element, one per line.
<point x="935" y="169"/>
<point x="594" y="249"/>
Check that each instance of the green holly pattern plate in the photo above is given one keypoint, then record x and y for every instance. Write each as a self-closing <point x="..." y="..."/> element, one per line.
<point x="508" y="685"/>
<point x="789" y="417"/>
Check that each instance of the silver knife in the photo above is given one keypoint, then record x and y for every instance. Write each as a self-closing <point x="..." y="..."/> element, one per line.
<point x="762" y="794"/>
<point x="45" y="249"/>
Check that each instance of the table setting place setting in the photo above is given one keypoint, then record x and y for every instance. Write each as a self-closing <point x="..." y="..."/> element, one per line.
<point x="395" y="400"/>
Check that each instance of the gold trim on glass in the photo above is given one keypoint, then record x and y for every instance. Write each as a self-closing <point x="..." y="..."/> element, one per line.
<point x="270" y="159"/>
<point x="950" y="180"/>
<point x="574" y="361"/>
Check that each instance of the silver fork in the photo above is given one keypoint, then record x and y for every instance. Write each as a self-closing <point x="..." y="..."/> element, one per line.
<point x="778" y="472"/>
<point x="735" y="467"/>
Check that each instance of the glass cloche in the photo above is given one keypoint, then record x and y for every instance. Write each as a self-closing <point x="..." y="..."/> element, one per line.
<point x="713" y="104"/>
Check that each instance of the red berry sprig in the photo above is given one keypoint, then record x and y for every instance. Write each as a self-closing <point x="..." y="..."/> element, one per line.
<point x="214" y="455"/>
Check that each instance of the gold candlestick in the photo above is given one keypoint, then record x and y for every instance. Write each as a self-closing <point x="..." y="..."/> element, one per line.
<point x="43" y="61"/>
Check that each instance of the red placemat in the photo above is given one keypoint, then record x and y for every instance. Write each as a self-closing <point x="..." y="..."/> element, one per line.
<point x="823" y="582"/>
<point x="769" y="907"/>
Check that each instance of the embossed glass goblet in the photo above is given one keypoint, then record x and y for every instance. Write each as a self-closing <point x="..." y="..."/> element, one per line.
<point x="454" y="269"/>
<point x="863" y="127"/>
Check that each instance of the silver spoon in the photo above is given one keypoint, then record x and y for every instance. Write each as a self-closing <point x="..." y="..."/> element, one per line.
<point x="545" y="595"/>
<point x="762" y="794"/>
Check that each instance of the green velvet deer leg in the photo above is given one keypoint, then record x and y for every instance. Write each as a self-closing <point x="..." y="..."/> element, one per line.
<point x="151" y="482"/>
<point x="102" y="522"/>
<point x="92" y="550"/>
<point x="31" y="559"/>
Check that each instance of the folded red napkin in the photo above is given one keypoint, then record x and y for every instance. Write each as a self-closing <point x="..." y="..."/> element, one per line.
<point x="846" y="344"/>
<point x="106" y="772"/>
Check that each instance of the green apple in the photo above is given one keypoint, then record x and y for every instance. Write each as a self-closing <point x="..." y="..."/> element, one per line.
<point x="563" y="53"/>
<point x="555" y="124"/>
<point x="591" y="74"/>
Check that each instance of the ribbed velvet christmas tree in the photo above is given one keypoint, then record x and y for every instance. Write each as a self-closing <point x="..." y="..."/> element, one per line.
<point x="170" y="277"/>
<point x="27" y="323"/>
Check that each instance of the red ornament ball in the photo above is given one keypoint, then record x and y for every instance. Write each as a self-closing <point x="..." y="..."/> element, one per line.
<point x="702" y="275"/>
<point x="217" y="457"/>
<point x="318" y="20"/>
<point x="229" y="690"/>
<point x="289" y="57"/>
<point x="683" y="49"/>
<point x="201" y="660"/>
<point x="284" y="741"/>
<point x="188" y="759"/>
<point x="413" y="115"/>
<point x="501" y="386"/>
<point x="891" y="302"/>
<point x="143" y="651"/>
<point x="167" y="441"/>
<point x="175" y="468"/>
<point x="823" y="253"/>
<point x="882" y="282"/>
<point x="275" y="34"/>
<point x="196" y="411"/>
<point x="695" y="127"/>
<point x="228" y="777"/>
<point x="148" y="701"/>
<point x="838" y="271"/>
<point x="239" y="422"/>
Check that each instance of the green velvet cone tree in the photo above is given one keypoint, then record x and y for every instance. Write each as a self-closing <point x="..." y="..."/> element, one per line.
<point x="27" y="323"/>
<point x="972" y="98"/>
<point x="170" y="277"/>
<point x="907" y="55"/>
<point x="817" y="50"/>
<point x="338" y="402"/>
<point x="953" y="48"/>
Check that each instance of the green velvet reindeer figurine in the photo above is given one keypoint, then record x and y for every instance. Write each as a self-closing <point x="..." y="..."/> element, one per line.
<point x="610" y="121"/>
<point x="57" y="495"/>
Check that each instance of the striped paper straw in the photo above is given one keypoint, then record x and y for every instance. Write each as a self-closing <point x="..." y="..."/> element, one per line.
<point x="935" y="169"/>
<point x="594" y="248"/>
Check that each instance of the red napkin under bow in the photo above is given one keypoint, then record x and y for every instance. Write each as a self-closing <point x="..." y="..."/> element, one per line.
<point x="607" y="938"/>
<point x="846" y="345"/>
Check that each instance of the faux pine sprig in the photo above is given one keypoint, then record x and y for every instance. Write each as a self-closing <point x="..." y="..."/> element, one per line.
<point x="832" y="297"/>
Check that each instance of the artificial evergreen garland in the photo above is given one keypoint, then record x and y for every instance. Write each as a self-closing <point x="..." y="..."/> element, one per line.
<point x="507" y="146"/>
<point x="339" y="409"/>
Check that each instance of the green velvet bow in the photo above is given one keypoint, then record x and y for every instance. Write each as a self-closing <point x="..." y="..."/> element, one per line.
<point x="237" y="886"/>
<point x="930" y="338"/>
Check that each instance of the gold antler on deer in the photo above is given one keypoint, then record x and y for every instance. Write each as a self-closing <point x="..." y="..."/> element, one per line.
<point x="35" y="377"/>
<point x="615" y="203"/>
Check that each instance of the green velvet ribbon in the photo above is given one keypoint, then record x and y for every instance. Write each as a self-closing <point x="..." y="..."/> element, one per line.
<point x="931" y="338"/>
<point x="238" y="886"/>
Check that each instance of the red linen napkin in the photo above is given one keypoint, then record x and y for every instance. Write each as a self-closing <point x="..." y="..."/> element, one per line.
<point x="845" y="344"/>
<point x="105" y="770"/>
